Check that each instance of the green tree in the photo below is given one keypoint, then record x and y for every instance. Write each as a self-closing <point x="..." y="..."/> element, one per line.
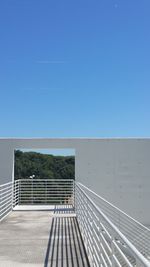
<point x="43" y="166"/>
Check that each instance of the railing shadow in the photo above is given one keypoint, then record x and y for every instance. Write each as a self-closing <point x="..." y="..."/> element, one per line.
<point x="65" y="245"/>
<point x="63" y="209"/>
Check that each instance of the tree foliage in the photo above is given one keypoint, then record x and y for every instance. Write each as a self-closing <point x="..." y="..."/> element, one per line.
<point x="43" y="166"/>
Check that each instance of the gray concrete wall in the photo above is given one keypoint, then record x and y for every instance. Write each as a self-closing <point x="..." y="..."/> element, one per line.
<point x="6" y="161"/>
<point x="117" y="169"/>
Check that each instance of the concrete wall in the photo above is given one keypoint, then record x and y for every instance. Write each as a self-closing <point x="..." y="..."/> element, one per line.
<point x="6" y="161"/>
<point x="117" y="169"/>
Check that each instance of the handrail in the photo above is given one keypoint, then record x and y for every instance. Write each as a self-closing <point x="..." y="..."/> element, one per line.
<point x="1" y="185"/>
<point x="113" y="206"/>
<point x="137" y="233"/>
<point x="44" y="179"/>
<point x="136" y="254"/>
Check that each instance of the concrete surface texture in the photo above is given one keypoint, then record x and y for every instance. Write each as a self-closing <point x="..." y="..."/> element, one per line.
<point x="41" y="238"/>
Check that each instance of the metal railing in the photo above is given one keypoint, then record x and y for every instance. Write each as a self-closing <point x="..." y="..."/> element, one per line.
<point x="6" y="196"/>
<point x="43" y="191"/>
<point x="111" y="237"/>
<point x="106" y="245"/>
<point x="136" y="232"/>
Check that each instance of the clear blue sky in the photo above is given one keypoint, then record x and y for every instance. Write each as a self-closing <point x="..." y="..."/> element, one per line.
<point x="57" y="152"/>
<point x="74" y="68"/>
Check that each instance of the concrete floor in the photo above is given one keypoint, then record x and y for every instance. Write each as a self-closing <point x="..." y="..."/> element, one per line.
<point x="41" y="238"/>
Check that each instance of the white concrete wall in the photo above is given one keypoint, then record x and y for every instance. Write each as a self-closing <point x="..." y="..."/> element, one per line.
<point x="117" y="169"/>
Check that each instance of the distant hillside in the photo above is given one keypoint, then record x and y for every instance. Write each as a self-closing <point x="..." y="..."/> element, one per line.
<point x="43" y="166"/>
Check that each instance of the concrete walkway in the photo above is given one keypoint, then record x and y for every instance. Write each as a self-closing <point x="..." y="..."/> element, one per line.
<point x="41" y="238"/>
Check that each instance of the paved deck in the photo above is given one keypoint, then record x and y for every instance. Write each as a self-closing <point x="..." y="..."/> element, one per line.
<point x="41" y="238"/>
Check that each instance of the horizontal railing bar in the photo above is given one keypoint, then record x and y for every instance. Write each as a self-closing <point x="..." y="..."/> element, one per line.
<point x="15" y="200"/>
<point x="105" y="253"/>
<point x="16" y="197"/>
<point x="60" y="187"/>
<point x="122" y="254"/>
<point x="49" y="180"/>
<point x="44" y="186"/>
<point x="43" y="196"/>
<point x="105" y="241"/>
<point x="106" y="232"/>
<point x="49" y="188"/>
<point x="16" y="193"/>
<point x="50" y="197"/>
<point x="104" y="262"/>
<point x="29" y="198"/>
<point x="43" y="203"/>
<point x="45" y="183"/>
<point x="44" y="192"/>
<point x="3" y="201"/>
<point x="5" y="196"/>
<point x="46" y="203"/>
<point x="8" y="191"/>
<point x="117" y="261"/>
<point x="3" y="189"/>
<point x="1" y="214"/>
<point x="96" y="255"/>
<point x="6" y="201"/>
<point x="49" y="185"/>
<point x="5" y="204"/>
<point x="1" y="185"/>
<point x="114" y="207"/>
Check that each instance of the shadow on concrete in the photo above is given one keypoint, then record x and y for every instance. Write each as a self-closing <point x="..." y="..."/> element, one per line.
<point x="64" y="209"/>
<point x="65" y="245"/>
